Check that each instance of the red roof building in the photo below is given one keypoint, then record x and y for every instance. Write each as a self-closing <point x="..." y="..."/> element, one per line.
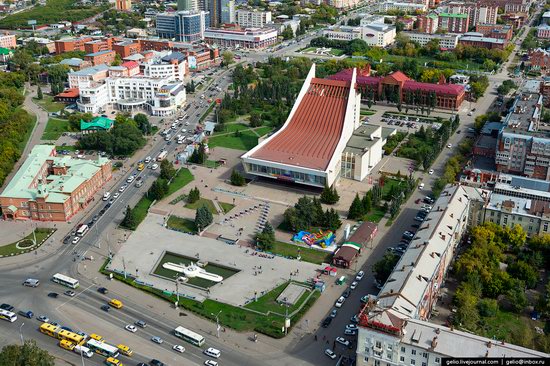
<point x="400" y="87"/>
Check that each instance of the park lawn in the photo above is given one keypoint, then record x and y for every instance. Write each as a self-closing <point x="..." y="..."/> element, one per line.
<point x="11" y="249"/>
<point x="55" y="128"/>
<point x="182" y="178"/>
<point x="141" y="208"/>
<point x="226" y="207"/>
<point x="268" y="302"/>
<point x="66" y="147"/>
<point x="28" y="133"/>
<point x="212" y="164"/>
<point x="181" y="224"/>
<point x="230" y="316"/>
<point x="336" y="52"/>
<point x="375" y="215"/>
<point x="457" y="65"/>
<point x="48" y="103"/>
<point x="388" y="184"/>
<point x="232" y="127"/>
<point x="246" y="141"/>
<point x="307" y="254"/>
<point x="309" y="49"/>
<point x="263" y="130"/>
<point x="203" y="202"/>
<point x="366" y="112"/>
<point x="52" y="12"/>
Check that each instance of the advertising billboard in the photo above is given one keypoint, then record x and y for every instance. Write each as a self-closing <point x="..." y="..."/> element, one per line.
<point x="192" y="60"/>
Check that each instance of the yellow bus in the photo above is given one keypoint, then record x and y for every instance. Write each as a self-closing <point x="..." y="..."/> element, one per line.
<point x="68" y="345"/>
<point x="62" y="334"/>
<point x="49" y="329"/>
<point x="111" y="361"/>
<point x="116" y="303"/>
<point x="125" y="350"/>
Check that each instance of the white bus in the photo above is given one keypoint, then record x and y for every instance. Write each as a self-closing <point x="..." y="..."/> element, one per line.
<point x="7" y="315"/>
<point x="65" y="280"/>
<point x="82" y="230"/>
<point x="189" y="336"/>
<point x="162" y="155"/>
<point x="102" y="348"/>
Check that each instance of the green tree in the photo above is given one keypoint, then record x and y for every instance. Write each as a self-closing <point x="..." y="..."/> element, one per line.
<point x="516" y="296"/>
<point x="367" y="202"/>
<point x="255" y="119"/>
<point x="142" y="122"/>
<point x="203" y="218"/>
<point x="227" y="58"/>
<point x="117" y="61"/>
<point x="194" y="195"/>
<point x="158" y="189"/>
<point x="199" y="155"/>
<point x="237" y="179"/>
<point x="288" y="33"/>
<point x="525" y="272"/>
<point x="27" y="355"/>
<point x="332" y="220"/>
<point x="329" y="195"/>
<point x="167" y="170"/>
<point x="129" y="221"/>
<point x="39" y="94"/>
<point x="356" y="209"/>
<point x="384" y="267"/>
<point x="266" y="238"/>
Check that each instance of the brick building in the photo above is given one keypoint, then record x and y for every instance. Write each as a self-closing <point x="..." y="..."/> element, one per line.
<point x="7" y="41"/>
<point x="453" y="23"/>
<point x="539" y="60"/>
<point x="98" y="45"/>
<point x="71" y="44"/>
<point x="498" y="31"/>
<point x="543" y="31"/>
<point x="48" y="187"/>
<point x="477" y="13"/>
<point x="126" y="48"/>
<point x="102" y="57"/>
<point x="428" y="23"/>
<point x="475" y="39"/>
<point x="123" y="5"/>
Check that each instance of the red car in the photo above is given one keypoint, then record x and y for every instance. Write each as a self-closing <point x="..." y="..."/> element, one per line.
<point x="417" y="201"/>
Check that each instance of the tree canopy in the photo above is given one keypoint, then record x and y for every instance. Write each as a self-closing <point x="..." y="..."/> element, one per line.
<point x="28" y="354"/>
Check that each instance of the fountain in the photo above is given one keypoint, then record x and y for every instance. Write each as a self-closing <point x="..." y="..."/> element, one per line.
<point x="192" y="271"/>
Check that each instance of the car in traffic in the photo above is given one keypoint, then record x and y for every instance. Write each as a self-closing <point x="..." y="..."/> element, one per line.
<point x="122" y="188"/>
<point x="333" y="313"/>
<point x="103" y="290"/>
<point x="53" y="295"/>
<point x="155" y="362"/>
<point x="178" y="348"/>
<point x="154" y="166"/>
<point x="359" y="276"/>
<point x="75" y="240"/>
<point x="211" y="363"/>
<point x="330" y="353"/>
<point x="105" y="308"/>
<point x="131" y="328"/>
<point x="116" y="195"/>
<point x="43" y="318"/>
<point x="7" y="307"/>
<point x="140" y="323"/>
<point x="343" y="341"/>
<point x="70" y="293"/>
<point x="157" y="340"/>
<point x="26" y="313"/>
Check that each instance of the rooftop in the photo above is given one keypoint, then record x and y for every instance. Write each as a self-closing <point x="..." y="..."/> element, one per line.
<point x="524" y="117"/>
<point x="310" y="138"/>
<point x="99" y="53"/>
<point x="73" y="61"/>
<point x="363" y="139"/>
<point x="453" y="15"/>
<point x="89" y="71"/>
<point x="98" y="123"/>
<point x="482" y="39"/>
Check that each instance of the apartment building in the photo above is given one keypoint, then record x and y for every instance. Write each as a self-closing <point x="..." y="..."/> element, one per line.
<point x="8" y="41"/>
<point x="102" y="57"/>
<point x="71" y="44"/>
<point x="524" y="142"/>
<point x="402" y="6"/>
<point x="394" y="327"/>
<point x="446" y="41"/>
<point x="87" y="75"/>
<point x="99" y="45"/>
<point x="453" y="22"/>
<point x="253" y="18"/>
<point x="126" y="48"/>
<point x="543" y="31"/>
<point x="252" y="38"/>
<point x="428" y="23"/>
<point x="477" y="13"/>
<point x="172" y="66"/>
<point x="498" y="31"/>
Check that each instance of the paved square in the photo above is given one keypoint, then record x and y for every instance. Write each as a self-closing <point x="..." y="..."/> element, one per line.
<point x="258" y="273"/>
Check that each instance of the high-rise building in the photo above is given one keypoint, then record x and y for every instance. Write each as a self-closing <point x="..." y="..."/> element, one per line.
<point x="188" y="5"/>
<point x="221" y="12"/>
<point x="183" y="26"/>
<point x="124" y="5"/>
<point x="253" y="19"/>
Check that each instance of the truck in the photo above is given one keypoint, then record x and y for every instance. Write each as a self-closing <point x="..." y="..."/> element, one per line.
<point x="82" y="350"/>
<point x="162" y="155"/>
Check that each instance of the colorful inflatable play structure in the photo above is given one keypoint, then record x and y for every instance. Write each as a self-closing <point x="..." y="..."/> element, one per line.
<point x="322" y="238"/>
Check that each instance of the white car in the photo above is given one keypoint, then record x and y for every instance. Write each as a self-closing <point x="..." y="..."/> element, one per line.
<point x="76" y="239"/>
<point x="449" y="146"/>
<point x="178" y="348"/>
<point x="431" y="171"/>
<point x="106" y="196"/>
<point x="131" y="328"/>
<point x="147" y="160"/>
<point x="154" y="166"/>
<point x="115" y="196"/>
<point x="122" y="188"/>
<point x="353" y="285"/>
<point x="340" y="302"/>
<point x="421" y="186"/>
<point x="330" y="353"/>
<point x="359" y="276"/>
<point x="351" y="327"/>
<point x="130" y="179"/>
<point x="210" y="363"/>
<point x="342" y="341"/>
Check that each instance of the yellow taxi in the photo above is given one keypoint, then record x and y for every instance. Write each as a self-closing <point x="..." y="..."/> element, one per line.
<point x="116" y="303"/>
<point x="125" y="350"/>
<point x="97" y="337"/>
<point x="68" y="345"/>
<point x="111" y="361"/>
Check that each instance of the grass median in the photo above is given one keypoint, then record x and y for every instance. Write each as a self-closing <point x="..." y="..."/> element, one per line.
<point x="27" y="243"/>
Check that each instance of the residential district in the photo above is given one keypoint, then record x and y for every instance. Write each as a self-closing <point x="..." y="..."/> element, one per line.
<point x="313" y="182"/>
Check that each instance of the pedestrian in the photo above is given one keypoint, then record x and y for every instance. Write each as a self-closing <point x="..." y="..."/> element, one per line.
<point x="315" y="337"/>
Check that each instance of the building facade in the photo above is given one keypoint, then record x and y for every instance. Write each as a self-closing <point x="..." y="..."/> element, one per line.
<point x="375" y="34"/>
<point x="253" y="18"/>
<point x="183" y="26"/>
<point x="477" y="13"/>
<point x="428" y="23"/>
<point x="123" y="5"/>
<point x="8" y="41"/>
<point x="48" y="187"/>
<point x="252" y="38"/>
<point x="478" y="40"/>
<point x="543" y="31"/>
<point x="71" y="44"/>
<point x="446" y="41"/>
<point x="498" y="31"/>
<point x="102" y="57"/>
<point x="453" y="22"/>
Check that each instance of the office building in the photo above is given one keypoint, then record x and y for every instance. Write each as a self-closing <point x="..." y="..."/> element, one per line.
<point x="499" y="31"/>
<point x="188" y="5"/>
<point x="48" y="187"/>
<point x="182" y="26"/>
<point x="253" y="38"/>
<point x="374" y="34"/>
<point x="446" y="41"/>
<point x="543" y="31"/>
<point x="253" y="18"/>
<point x="71" y="44"/>
<point x="402" y="6"/>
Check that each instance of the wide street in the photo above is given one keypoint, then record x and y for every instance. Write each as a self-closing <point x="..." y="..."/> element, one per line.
<point x="82" y="312"/>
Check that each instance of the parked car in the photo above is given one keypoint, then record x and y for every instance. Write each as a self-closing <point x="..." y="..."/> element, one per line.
<point x="75" y="240"/>
<point x="353" y="285"/>
<point x="347" y="293"/>
<point x="53" y="295"/>
<point x="359" y="276"/>
<point x="333" y="313"/>
<point x="352" y="326"/>
<point x="355" y="319"/>
<point x="343" y="341"/>
<point x="340" y="301"/>
<point x="350" y="332"/>
<point x="326" y="322"/>
<point x="330" y="353"/>
<point x="7" y="307"/>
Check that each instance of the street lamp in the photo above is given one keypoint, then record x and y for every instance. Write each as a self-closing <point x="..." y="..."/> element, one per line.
<point x="21" y="333"/>
<point x="217" y="322"/>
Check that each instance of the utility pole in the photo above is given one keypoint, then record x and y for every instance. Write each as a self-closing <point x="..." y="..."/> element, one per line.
<point x="177" y="294"/>
<point x="21" y="334"/>
<point x="217" y="323"/>
<point x="124" y="267"/>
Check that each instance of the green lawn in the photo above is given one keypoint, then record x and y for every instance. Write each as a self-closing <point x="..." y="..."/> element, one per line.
<point x="201" y="202"/>
<point x="55" y="128"/>
<point x="366" y="112"/>
<point x="232" y="127"/>
<point x="11" y="249"/>
<point x="388" y="184"/>
<point x="309" y="49"/>
<point x="48" y="103"/>
<point x="431" y="62"/>
<point x="141" y="208"/>
<point x="28" y="133"/>
<point x="375" y="215"/>
<point x="230" y="316"/>
<point x="66" y="147"/>
<point x="263" y="130"/>
<point x="336" y="52"/>
<point x="268" y="302"/>
<point x="182" y="178"/>
<point x="226" y="207"/>
<point x="307" y="254"/>
<point x="212" y="164"/>
<point x="246" y="141"/>
<point x="181" y="224"/>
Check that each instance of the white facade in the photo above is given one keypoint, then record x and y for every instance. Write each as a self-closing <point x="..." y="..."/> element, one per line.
<point x="448" y="41"/>
<point x="375" y="34"/>
<point x="162" y="97"/>
<point x="253" y="18"/>
<point x="174" y="70"/>
<point x="406" y="7"/>
<point x="247" y="38"/>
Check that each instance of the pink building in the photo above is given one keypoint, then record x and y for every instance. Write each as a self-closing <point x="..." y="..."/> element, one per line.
<point x="7" y="41"/>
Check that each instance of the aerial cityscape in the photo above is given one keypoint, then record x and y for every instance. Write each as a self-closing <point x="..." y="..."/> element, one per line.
<point x="274" y="182"/>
